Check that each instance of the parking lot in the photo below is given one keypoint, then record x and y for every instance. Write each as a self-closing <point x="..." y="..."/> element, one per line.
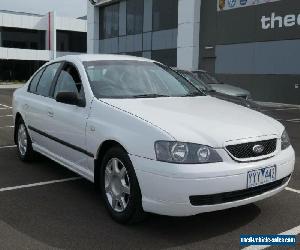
<point x="45" y="206"/>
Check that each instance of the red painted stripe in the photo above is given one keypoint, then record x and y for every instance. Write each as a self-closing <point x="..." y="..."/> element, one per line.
<point x="49" y="29"/>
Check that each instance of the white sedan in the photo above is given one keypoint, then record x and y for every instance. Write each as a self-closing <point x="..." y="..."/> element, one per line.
<point x="148" y="138"/>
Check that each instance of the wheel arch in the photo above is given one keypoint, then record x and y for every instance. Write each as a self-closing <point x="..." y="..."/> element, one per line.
<point x="18" y="118"/>
<point x="104" y="147"/>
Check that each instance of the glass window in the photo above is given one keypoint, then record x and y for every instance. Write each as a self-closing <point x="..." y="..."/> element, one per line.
<point x="22" y="38"/>
<point x="135" y="13"/>
<point x="35" y="80"/>
<point x="46" y="80"/>
<point x="165" y="14"/>
<point x="166" y="56"/>
<point x="69" y="81"/>
<point x="135" y="79"/>
<point x="109" y="21"/>
<point x="71" y="41"/>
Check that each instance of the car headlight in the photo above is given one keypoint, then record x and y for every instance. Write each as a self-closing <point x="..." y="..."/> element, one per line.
<point x="185" y="153"/>
<point x="285" y="140"/>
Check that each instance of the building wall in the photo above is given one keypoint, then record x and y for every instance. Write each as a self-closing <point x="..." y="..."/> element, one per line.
<point x="188" y="34"/>
<point x="148" y="28"/>
<point x="35" y="32"/>
<point x="29" y="40"/>
<point x="36" y="22"/>
<point x="255" y="47"/>
<point x="128" y="27"/>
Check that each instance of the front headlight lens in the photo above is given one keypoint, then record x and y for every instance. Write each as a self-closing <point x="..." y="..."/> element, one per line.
<point x="185" y="153"/>
<point x="285" y="140"/>
<point x="203" y="154"/>
<point x="179" y="151"/>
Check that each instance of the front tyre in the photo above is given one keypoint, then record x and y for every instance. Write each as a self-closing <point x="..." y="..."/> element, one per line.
<point x="120" y="188"/>
<point x="24" y="143"/>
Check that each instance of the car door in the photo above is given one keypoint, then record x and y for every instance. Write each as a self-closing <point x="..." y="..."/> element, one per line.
<point x="67" y="124"/>
<point x="38" y="103"/>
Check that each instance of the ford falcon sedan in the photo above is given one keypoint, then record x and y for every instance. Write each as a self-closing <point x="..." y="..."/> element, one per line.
<point x="148" y="138"/>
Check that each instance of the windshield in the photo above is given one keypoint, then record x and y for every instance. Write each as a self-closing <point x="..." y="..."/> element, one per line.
<point x="136" y="79"/>
<point x="196" y="81"/>
<point x="207" y="78"/>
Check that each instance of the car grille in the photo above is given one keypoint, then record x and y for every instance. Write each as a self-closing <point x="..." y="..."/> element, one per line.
<point x="245" y="150"/>
<point x="202" y="200"/>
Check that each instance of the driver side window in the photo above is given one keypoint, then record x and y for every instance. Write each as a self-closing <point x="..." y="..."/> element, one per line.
<point x="69" y="81"/>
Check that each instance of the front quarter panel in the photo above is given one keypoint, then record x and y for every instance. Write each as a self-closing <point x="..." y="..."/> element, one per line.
<point x="136" y="135"/>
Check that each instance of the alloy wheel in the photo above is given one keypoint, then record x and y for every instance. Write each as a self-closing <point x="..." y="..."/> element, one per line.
<point x="117" y="185"/>
<point x="22" y="139"/>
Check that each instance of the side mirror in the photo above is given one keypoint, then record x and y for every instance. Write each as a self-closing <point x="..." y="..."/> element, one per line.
<point x="71" y="98"/>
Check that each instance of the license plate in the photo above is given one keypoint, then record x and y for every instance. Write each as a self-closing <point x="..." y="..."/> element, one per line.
<point x="261" y="176"/>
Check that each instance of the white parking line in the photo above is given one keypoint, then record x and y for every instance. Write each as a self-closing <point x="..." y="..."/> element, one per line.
<point x="7" y="127"/>
<point x="5" y="116"/>
<point x="292" y="190"/>
<point x="293" y="231"/>
<point x="5" y="106"/>
<point x="13" y="146"/>
<point x="39" y="184"/>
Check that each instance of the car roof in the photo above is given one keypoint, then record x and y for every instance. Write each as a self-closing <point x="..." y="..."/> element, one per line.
<point x="103" y="57"/>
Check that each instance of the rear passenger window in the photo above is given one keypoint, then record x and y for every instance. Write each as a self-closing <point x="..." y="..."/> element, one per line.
<point x="46" y="80"/>
<point x="35" y="80"/>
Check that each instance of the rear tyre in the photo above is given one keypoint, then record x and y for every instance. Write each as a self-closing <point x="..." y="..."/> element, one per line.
<point x="24" y="143"/>
<point x="120" y="188"/>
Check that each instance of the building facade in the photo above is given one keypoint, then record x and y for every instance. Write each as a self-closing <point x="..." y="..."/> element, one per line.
<point x="249" y="43"/>
<point x="29" y="40"/>
<point x="167" y="31"/>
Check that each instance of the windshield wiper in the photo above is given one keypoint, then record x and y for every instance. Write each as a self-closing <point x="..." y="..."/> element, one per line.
<point x="149" y="96"/>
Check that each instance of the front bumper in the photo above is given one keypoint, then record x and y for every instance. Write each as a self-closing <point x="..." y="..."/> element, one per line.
<point x="167" y="188"/>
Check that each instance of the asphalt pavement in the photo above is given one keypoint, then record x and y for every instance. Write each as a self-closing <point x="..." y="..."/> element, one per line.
<point x="45" y="206"/>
